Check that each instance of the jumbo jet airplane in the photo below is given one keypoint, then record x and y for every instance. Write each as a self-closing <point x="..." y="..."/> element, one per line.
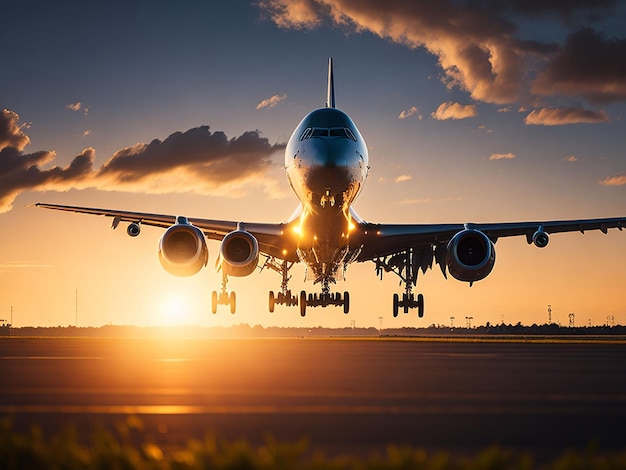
<point x="326" y="162"/>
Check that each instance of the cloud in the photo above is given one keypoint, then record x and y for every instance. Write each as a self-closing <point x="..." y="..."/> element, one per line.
<point x="403" y="178"/>
<point x="271" y="102"/>
<point x="197" y="160"/>
<point x="502" y="156"/>
<point x="11" y="132"/>
<point x="481" y="46"/>
<point x="415" y="201"/>
<point x="561" y="116"/>
<point x="588" y="65"/>
<point x="77" y="107"/>
<point x="452" y="110"/>
<point x="412" y="111"/>
<point x="617" y="180"/>
<point x="74" y="106"/>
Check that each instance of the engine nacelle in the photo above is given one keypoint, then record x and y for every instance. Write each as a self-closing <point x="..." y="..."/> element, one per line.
<point x="182" y="249"/>
<point x="470" y="255"/>
<point x="239" y="253"/>
<point x="541" y="238"/>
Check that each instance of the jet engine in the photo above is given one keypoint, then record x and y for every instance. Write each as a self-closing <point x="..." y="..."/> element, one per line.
<point x="541" y="238"/>
<point x="182" y="249"/>
<point x="470" y="255"/>
<point x="239" y="253"/>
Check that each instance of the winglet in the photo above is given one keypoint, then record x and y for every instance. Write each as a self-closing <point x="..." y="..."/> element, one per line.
<point x="330" y="96"/>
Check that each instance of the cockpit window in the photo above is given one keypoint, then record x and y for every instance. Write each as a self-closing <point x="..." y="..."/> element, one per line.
<point x="342" y="132"/>
<point x="319" y="132"/>
<point x="306" y="134"/>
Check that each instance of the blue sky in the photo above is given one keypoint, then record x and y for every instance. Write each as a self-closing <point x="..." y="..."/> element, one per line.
<point x="473" y="111"/>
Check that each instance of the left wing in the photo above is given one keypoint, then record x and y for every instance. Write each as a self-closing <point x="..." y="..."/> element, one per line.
<point x="387" y="239"/>
<point x="406" y="249"/>
<point x="268" y="235"/>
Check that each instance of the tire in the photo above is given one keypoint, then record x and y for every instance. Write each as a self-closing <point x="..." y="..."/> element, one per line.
<point x="272" y="301"/>
<point x="395" y="305"/>
<point x="233" y="302"/>
<point x="405" y="303"/>
<point x="302" y="303"/>
<point x="346" y="302"/>
<point x="420" y="305"/>
<point x="214" y="302"/>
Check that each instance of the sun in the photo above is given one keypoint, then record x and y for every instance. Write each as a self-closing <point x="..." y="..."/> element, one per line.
<point x="173" y="309"/>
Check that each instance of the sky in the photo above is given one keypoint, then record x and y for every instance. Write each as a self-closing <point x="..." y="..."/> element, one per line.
<point x="473" y="111"/>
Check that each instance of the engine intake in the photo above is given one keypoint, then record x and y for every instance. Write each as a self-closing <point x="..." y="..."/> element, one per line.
<point x="239" y="253"/>
<point x="470" y="255"/>
<point x="541" y="238"/>
<point x="182" y="249"/>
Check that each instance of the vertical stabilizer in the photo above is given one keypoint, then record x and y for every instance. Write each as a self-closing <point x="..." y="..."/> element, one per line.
<point x="330" y="96"/>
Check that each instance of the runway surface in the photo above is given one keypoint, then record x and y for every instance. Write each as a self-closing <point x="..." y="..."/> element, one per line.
<point x="344" y="396"/>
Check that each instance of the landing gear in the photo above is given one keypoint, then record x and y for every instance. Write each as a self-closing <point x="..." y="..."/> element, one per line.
<point x="284" y="297"/>
<point x="304" y="300"/>
<point x="326" y="300"/>
<point x="223" y="298"/>
<point x="406" y="266"/>
<point x="408" y="301"/>
<point x="281" y="298"/>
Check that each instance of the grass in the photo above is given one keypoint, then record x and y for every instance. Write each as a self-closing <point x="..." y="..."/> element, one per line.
<point x="129" y="448"/>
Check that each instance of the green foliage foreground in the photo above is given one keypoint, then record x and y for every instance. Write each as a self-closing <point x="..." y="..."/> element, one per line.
<point x="129" y="448"/>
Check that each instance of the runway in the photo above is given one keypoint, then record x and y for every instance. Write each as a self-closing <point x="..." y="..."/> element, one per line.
<point x="345" y="396"/>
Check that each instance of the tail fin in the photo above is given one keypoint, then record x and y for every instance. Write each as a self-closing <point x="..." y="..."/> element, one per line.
<point x="330" y="95"/>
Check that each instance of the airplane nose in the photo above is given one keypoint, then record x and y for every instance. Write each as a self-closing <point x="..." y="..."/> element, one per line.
<point x="331" y="154"/>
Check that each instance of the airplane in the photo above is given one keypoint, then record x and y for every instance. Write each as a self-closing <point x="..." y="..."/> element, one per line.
<point x="327" y="163"/>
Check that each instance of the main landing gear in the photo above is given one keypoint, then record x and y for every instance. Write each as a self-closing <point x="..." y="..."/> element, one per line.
<point x="289" y="299"/>
<point x="406" y="266"/>
<point x="223" y="298"/>
<point x="284" y="297"/>
<point x="324" y="299"/>
<point x="408" y="301"/>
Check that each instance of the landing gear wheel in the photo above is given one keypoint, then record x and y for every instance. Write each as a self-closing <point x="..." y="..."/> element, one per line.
<point x="214" y="302"/>
<point x="405" y="303"/>
<point x="396" y="300"/>
<point x="346" y="302"/>
<point x="272" y="301"/>
<point x="420" y="305"/>
<point x="302" y="303"/>
<point x="233" y="302"/>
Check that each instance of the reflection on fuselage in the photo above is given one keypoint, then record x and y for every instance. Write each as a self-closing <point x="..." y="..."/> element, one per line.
<point x="327" y="163"/>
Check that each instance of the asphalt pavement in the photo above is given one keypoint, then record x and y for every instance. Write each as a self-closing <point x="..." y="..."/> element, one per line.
<point x="344" y="396"/>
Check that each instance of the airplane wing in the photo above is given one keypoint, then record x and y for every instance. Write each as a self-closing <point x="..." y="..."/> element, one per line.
<point x="428" y="241"/>
<point x="268" y="235"/>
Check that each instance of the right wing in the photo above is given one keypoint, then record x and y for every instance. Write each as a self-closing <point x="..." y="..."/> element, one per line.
<point x="274" y="239"/>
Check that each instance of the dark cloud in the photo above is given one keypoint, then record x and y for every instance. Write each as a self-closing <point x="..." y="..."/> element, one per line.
<point x="588" y="65"/>
<point x="566" y="9"/>
<point x="198" y="151"/>
<point x="480" y="44"/>
<point x="196" y="160"/>
<point x="22" y="172"/>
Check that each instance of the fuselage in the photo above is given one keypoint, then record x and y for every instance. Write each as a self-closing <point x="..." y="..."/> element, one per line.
<point x="327" y="163"/>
